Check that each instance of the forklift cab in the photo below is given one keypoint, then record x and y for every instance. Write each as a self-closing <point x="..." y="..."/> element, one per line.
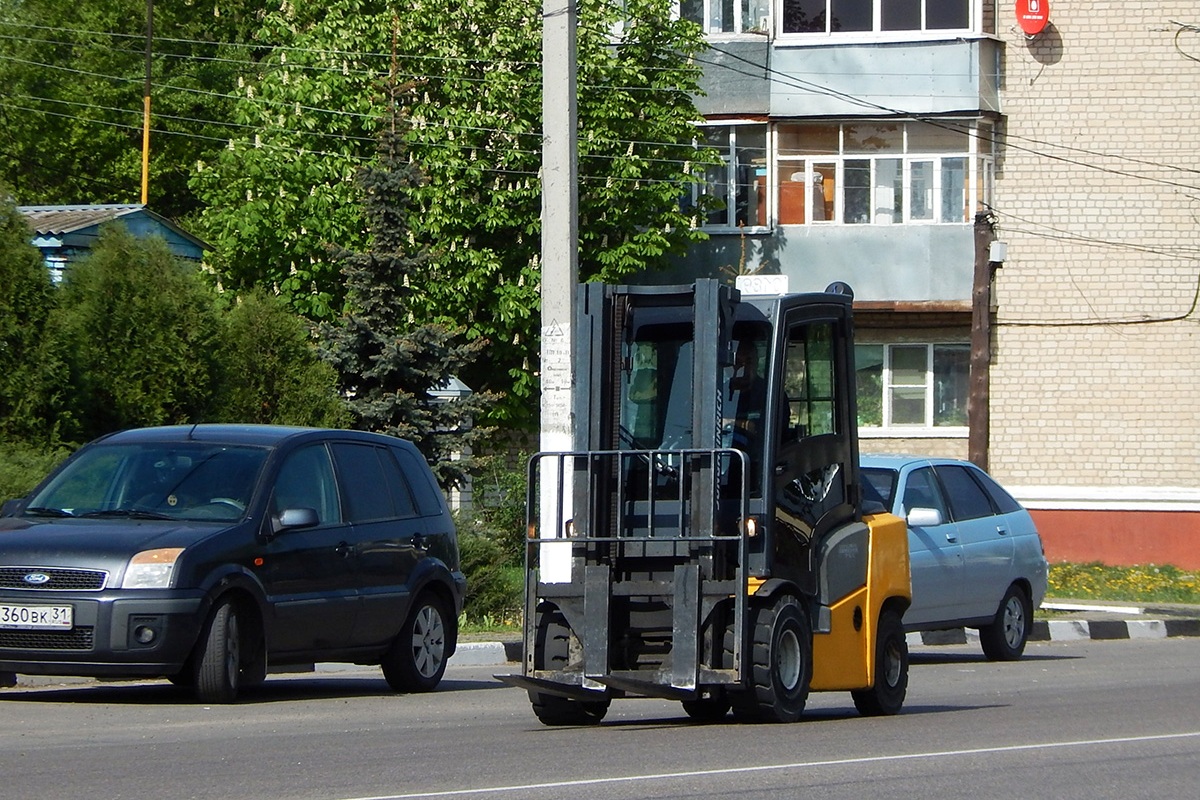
<point x="771" y="377"/>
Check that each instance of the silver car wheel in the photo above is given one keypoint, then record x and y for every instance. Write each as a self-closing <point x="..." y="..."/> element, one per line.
<point x="428" y="641"/>
<point x="1014" y="622"/>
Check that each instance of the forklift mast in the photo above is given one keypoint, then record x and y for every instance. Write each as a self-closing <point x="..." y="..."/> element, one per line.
<point x="700" y="368"/>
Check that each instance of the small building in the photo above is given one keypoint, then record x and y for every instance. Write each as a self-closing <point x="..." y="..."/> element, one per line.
<point x="65" y="234"/>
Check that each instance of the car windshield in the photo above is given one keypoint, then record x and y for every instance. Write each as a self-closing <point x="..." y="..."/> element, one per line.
<point x="177" y="480"/>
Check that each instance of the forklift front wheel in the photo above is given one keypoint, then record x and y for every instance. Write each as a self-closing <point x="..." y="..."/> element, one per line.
<point x="554" y="710"/>
<point x="552" y="650"/>
<point x="781" y="663"/>
<point x="707" y="709"/>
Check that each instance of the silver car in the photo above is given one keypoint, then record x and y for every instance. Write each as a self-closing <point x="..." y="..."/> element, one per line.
<point x="976" y="557"/>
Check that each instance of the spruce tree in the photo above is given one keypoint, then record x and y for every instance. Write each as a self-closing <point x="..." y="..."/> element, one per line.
<point x="26" y="299"/>
<point x="390" y="365"/>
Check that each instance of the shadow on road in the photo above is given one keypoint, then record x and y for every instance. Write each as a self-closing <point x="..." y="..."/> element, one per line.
<point x="916" y="658"/>
<point x="275" y="690"/>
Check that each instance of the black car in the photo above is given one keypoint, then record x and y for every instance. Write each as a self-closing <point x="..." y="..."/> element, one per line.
<point x="210" y="553"/>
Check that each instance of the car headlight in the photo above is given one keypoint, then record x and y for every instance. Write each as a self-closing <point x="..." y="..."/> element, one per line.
<point x="151" y="569"/>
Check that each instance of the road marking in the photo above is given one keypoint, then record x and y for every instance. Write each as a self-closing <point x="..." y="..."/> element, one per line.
<point x="778" y="767"/>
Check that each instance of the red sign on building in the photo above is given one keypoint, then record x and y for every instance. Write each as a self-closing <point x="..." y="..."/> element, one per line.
<point x="1032" y="15"/>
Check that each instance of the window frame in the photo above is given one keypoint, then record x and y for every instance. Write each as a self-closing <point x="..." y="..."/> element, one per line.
<point x="975" y="22"/>
<point x="730" y="153"/>
<point x="928" y="427"/>
<point x="750" y="17"/>
<point x="977" y="174"/>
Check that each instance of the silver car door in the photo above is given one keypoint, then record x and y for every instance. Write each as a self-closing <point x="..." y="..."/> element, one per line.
<point x="986" y="541"/>
<point x="935" y="554"/>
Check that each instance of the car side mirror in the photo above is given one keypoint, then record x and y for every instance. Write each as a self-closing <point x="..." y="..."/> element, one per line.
<point x="924" y="517"/>
<point x="11" y="507"/>
<point x="292" y="518"/>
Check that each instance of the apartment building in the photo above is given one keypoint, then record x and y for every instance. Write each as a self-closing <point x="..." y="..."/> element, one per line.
<point x="888" y="143"/>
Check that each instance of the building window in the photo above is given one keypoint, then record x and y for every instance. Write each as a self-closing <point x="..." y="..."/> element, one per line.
<point x="736" y="189"/>
<point x="727" y="16"/>
<point x="831" y="17"/>
<point x="881" y="173"/>
<point x="912" y="385"/>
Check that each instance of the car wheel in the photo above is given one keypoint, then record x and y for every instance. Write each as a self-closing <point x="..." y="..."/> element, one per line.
<point x="552" y="650"/>
<point x="886" y="697"/>
<point x="217" y="665"/>
<point x="781" y="664"/>
<point x="1004" y="639"/>
<point x="416" y="661"/>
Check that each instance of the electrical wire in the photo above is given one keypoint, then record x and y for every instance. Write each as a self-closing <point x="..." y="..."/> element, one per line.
<point x="791" y="79"/>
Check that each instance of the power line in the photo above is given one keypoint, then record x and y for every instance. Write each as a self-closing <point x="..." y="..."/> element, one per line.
<point x="795" y="82"/>
<point x="791" y="79"/>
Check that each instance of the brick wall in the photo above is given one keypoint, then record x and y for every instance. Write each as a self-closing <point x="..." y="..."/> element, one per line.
<point x="1097" y="339"/>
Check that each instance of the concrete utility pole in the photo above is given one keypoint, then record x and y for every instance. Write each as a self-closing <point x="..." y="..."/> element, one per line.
<point x="979" y="393"/>
<point x="560" y="259"/>
<point x="560" y="213"/>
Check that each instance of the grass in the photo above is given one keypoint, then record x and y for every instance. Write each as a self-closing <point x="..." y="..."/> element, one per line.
<point x="486" y="625"/>
<point x="1147" y="583"/>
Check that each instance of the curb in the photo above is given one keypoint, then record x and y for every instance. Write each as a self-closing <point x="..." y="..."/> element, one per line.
<point x="481" y="654"/>
<point x="1068" y="630"/>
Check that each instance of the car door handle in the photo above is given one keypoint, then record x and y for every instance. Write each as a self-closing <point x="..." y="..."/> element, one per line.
<point x="1000" y="529"/>
<point x="952" y="537"/>
<point x="343" y="549"/>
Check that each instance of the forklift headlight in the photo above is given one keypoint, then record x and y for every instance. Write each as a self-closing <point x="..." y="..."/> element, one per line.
<point x="751" y="527"/>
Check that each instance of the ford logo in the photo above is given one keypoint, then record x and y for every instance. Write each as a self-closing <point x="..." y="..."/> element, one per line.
<point x="36" y="578"/>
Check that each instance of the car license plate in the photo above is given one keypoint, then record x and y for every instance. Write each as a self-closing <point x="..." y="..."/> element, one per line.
<point x="36" y="617"/>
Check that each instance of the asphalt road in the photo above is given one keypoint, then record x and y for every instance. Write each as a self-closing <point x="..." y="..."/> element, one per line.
<point x="1088" y="719"/>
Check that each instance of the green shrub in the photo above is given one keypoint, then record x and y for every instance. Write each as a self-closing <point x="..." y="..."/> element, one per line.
<point x="492" y="541"/>
<point x="499" y="496"/>
<point x="495" y="587"/>
<point x="22" y="467"/>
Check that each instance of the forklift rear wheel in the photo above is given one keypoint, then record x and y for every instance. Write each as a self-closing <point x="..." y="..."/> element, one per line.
<point x="886" y="697"/>
<point x="552" y="650"/>
<point x="781" y="659"/>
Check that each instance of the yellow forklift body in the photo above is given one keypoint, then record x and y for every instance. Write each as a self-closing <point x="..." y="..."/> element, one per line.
<point x="843" y="658"/>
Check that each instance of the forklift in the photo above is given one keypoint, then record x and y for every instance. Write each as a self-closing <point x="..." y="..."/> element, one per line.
<point x="706" y="541"/>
